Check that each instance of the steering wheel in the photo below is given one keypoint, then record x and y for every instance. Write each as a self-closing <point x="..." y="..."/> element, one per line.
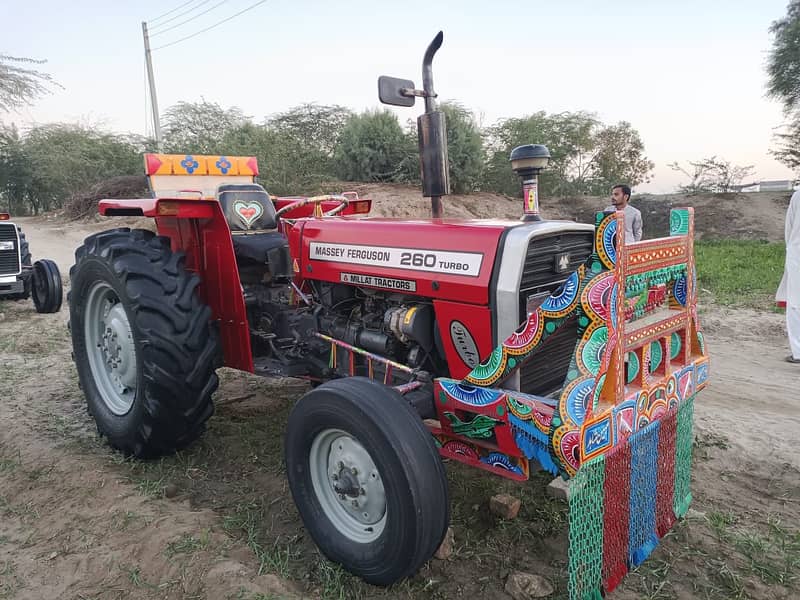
<point x="342" y="199"/>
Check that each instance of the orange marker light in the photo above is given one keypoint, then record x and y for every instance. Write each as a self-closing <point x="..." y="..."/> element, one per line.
<point x="4" y="216"/>
<point x="168" y="208"/>
<point x="360" y="207"/>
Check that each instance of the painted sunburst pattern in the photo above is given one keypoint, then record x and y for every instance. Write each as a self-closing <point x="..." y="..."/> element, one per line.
<point x="679" y="290"/>
<point x="501" y="461"/>
<point x="562" y="301"/>
<point x="524" y="339"/>
<point x="577" y="400"/>
<point x="567" y="442"/>
<point x="474" y="396"/>
<point x="596" y="296"/>
<point x="591" y="352"/>
<point x="490" y="370"/>
<point x="606" y="248"/>
<point x="461" y="449"/>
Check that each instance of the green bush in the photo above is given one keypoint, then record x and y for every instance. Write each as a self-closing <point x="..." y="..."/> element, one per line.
<point x="373" y="147"/>
<point x="464" y="149"/>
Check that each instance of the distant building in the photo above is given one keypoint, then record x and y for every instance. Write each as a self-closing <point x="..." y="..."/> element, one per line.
<point x="775" y="185"/>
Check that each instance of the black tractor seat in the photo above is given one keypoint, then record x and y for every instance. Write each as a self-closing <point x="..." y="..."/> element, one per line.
<point x="251" y="217"/>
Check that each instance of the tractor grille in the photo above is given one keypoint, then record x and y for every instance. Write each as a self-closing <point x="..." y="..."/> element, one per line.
<point x="539" y="272"/>
<point x="9" y="259"/>
<point x="546" y="372"/>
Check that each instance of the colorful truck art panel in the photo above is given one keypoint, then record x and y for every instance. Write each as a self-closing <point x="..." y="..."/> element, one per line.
<point x="621" y="427"/>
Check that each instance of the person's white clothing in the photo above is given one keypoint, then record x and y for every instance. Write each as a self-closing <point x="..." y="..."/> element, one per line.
<point x="633" y="223"/>
<point x="789" y="289"/>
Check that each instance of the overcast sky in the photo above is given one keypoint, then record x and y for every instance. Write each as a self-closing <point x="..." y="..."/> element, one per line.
<point x="688" y="74"/>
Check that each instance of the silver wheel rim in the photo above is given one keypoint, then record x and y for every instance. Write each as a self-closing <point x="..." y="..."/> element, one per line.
<point x="110" y="348"/>
<point x="347" y="485"/>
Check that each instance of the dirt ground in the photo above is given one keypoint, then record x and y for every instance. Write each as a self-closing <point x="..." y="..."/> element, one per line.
<point x="217" y="521"/>
<point x="752" y="216"/>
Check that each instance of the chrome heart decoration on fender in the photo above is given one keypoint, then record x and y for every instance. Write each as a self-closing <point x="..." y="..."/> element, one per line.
<point x="248" y="212"/>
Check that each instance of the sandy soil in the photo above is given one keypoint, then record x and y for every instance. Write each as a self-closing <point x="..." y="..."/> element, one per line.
<point x="77" y="521"/>
<point x="742" y="216"/>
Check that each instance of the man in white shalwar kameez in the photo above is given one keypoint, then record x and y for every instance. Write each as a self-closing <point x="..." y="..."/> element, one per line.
<point x="789" y="291"/>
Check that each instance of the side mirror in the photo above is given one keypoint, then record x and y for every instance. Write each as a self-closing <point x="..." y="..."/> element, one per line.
<point x="396" y="92"/>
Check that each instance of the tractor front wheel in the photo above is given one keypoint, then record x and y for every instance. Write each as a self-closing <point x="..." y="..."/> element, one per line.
<point x="367" y="479"/>
<point x="47" y="289"/>
<point x="143" y="344"/>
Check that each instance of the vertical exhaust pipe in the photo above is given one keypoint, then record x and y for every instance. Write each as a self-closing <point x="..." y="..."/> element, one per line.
<point x="431" y="127"/>
<point x="432" y="132"/>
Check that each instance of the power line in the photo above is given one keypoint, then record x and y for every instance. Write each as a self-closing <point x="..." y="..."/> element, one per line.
<point x="212" y="26"/>
<point x="189" y="19"/>
<point x="181" y="14"/>
<point x="169" y="12"/>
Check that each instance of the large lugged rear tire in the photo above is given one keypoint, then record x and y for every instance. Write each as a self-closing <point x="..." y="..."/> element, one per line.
<point x="367" y="479"/>
<point x="143" y="344"/>
<point x="25" y="260"/>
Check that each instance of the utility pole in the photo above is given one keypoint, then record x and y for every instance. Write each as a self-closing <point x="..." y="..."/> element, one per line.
<point x="151" y="81"/>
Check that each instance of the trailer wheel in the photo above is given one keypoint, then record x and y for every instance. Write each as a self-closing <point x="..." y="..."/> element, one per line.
<point x="144" y="348"/>
<point x="47" y="289"/>
<point x="367" y="479"/>
<point x="25" y="260"/>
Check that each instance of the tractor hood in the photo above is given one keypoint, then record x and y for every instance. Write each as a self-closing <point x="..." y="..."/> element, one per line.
<point x="441" y="258"/>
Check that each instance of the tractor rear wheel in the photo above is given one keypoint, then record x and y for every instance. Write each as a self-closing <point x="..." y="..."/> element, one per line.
<point x="143" y="344"/>
<point x="47" y="289"/>
<point x="25" y="261"/>
<point x="367" y="479"/>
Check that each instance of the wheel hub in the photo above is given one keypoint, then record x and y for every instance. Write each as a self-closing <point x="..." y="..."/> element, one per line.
<point x="355" y="480"/>
<point x="348" y="485"/>
<point x="111" y="348"/>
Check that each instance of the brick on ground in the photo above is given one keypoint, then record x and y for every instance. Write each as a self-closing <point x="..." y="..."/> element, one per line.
<point x="445" y="550"/>
<point x="505" y="506"/>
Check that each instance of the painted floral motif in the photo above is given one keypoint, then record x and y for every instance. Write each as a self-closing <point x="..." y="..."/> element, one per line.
<point x="190" y="164"/>
<point x="224" y="165"/>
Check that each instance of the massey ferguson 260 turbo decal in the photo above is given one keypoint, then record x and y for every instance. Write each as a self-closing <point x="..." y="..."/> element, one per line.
<point x="415" y="259"/>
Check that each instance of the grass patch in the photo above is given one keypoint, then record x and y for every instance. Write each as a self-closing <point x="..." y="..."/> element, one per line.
<point x="9" y="464"/>
<point x="188" y="544"/>
<point x="740" y="273"/>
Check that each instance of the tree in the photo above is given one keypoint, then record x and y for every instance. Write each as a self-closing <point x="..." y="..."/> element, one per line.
<point x="711" y="175"/>
<point x="587" y="157"/>
<point x="620" y="158"/>
<point x="199" y="127"/>
<point x="788" y="148"/>
<point x="284" y="165"/>
<point x="783" y="63"/>
<point x="373" y="147"/>
<point x="53" y="162"/>
<point x="19" y="84"/>
<point x="783" y="73"/>
<point x="464" y="148"/>
<point x="313" y="125"/>
<point x="15" y="172"/>
<point x="307" y="136"/>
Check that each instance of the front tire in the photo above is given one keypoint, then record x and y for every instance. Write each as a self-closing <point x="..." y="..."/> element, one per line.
<point x="143" y="344"/>
<point x="47" y="290"/>
<point x="367" y="479"/>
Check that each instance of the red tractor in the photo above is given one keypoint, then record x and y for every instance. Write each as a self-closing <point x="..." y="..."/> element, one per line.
<point x="384" y="316"/>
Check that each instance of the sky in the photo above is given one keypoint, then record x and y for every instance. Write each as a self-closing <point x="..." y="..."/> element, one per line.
<point x="687" y="74"/>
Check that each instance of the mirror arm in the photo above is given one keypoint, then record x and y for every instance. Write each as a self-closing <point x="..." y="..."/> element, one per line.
<point x="408" y="93"/>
